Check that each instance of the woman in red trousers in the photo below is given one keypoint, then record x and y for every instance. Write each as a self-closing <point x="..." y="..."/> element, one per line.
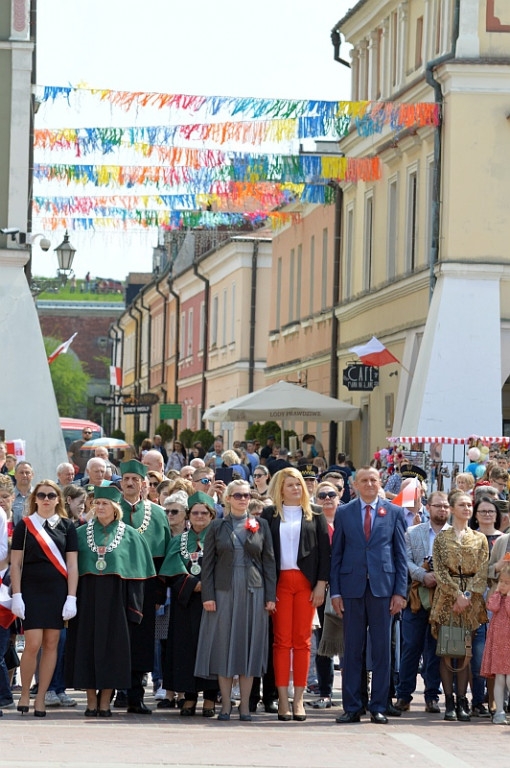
<point x="302" y="554"/>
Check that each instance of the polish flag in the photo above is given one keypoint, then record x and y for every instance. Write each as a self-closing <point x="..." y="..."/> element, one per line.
<point x="374" y="353"/>
<point x="62" y="348"/>
<point x="6" y="615"/>
<point x="115" y="376"/>
<point x="408" y="495"/>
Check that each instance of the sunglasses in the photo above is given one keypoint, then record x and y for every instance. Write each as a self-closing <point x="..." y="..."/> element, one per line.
<point x="86" y="432"/>
<point x="205" y="480"/>
<point x="41" y="496"/>
<point x="329" y="495"/>
<point x="259" y="475"/>
<point x="174" y="511"/>
<point x="239" y="496"/>
<point x="154" y="485"/>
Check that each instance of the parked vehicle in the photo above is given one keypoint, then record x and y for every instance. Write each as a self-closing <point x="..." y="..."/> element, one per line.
<point x="72" y="429"/>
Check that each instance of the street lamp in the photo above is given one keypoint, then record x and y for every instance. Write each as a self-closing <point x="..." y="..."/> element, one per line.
<point x="65" y="255"/>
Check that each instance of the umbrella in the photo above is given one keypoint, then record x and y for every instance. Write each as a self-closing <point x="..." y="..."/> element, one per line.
<point x="104" y="442"/>
<point x="282" y="402"/>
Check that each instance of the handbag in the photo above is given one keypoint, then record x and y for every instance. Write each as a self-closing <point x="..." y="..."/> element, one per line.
<point x="454" y="642"/>
<point x="328" y="607"/>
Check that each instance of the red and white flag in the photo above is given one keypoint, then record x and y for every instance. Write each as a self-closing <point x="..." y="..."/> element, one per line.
<point x="408" y="494"/>
<point x="6" y="615"/>
<point x="62" y="348"/>
<point x="115" y="376"/>
<point x="374" y="353"/>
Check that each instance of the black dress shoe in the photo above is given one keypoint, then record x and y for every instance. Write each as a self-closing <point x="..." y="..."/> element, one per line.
<point x="349" y="717"/>
<point x="378" y="717"/>
<point x="392" y="711"/>
<point x="402" y="705"/>
<point x="121" y="701"/>
<point x="271" y="707"/>
<point x="139" y="709"/>
<point x="432" y="706"/>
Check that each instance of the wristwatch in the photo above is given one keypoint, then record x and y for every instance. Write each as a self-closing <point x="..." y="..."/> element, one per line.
<point x="467" y="594"/>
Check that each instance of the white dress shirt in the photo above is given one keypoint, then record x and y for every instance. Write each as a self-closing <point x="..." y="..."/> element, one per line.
<point x="290" y="531"/>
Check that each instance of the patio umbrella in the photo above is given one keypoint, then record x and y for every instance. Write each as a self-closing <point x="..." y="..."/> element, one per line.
<point x="282" y="402"/>
<point x="105" y="442"/>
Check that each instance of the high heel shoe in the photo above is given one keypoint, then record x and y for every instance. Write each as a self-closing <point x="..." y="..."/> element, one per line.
<point x="299" y="718"/>
<point x="39" y="713"/>
<point x="285" y="718"/>
<point x="23" y="708"/>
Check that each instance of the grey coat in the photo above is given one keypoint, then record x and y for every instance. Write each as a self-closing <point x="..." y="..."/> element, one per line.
<point x="417" y="548"/>
<point x="218" y="559"/>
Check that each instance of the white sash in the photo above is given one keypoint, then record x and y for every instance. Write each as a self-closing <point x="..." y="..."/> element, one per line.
<point x="46" y="543"/>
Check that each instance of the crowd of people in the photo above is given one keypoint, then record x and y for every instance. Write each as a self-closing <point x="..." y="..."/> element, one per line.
<point x="242" y="574"/>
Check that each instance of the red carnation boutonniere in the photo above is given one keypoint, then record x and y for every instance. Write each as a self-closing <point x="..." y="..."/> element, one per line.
<point x="381" y="512"/>
<point x="252" y="525"/>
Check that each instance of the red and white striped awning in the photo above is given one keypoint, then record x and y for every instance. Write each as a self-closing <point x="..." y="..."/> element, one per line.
<point x="450" y="440"/>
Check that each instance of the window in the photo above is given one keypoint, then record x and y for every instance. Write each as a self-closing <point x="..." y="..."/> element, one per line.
<point x="291" y="286"/>
<point x="278" y="290"/>
<point x="224" y="329"/>
<point x="324" y="290"/>
<point x="201" y="334"/>
<point x="182" y="341"/>
<point x="392" y="229"/>
<point x="233" y="314"/>
<point x="418" y="51"/>
<point x="214" y="322"/>
<point x="312" y="270"/>
<point x="349" y="246"/>
<point x="298" y="281"/>
<point x="412" y="220"/>
<point x="189" y="351"/>
<point x="368" y="242"/>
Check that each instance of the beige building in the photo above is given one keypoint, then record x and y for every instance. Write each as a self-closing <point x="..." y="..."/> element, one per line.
<point x="425" y="255"/>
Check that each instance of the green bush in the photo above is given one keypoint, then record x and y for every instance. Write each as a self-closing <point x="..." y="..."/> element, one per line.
<point x="165" y="430"/>
<point x="262" y="431"/>
<point x="252" y="433"/>
<point x="118" y="434"/>
<point x="139" y="437"/>
<point x="186" y="437"/>
<point x="205" y="437"/>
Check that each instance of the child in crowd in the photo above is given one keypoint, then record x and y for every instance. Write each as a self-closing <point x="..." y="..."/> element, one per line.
<point x="496" y="656"/>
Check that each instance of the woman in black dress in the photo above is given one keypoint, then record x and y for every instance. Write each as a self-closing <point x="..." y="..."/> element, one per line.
<point x="114" y="561"/>
<point x="182" y="568"/>
<point x="44" y="577"/>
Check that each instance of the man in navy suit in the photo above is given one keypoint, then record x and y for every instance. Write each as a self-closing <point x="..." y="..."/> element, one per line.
<point x="368" y="586"/>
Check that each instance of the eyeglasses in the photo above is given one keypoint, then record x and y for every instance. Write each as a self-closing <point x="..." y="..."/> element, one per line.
<point x="486" y="512"/>
<point x="41" y="496"/>
<point x="205" y="480"/>
<point x="440" y="506"/>
<point x="174" y="511"/>
<point x="199" y="512"/>
<point x="329" y="495"/>
<point x="239" y="496"/>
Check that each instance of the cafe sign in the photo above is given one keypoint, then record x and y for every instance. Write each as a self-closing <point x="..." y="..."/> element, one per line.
<point x="360" y="378"/>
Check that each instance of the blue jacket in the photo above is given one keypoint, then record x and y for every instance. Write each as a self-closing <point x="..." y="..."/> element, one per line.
<point x="382" y="559"/>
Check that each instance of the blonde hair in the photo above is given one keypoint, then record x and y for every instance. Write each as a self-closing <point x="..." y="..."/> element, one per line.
<point x="231" y="489"/>
<point x="60" y="509"/>
<point x="275" y="491"/>
<point x="468" y="478"/>
<point x="117" y="509"/>
<point x="505" y="570"/>
<point x="230" y="457"/>
<point x="327" y="484"/>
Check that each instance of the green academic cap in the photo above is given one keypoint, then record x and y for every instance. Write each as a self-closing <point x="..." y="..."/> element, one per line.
<point x="134" y="467"/>
<point x="107" y="492"/>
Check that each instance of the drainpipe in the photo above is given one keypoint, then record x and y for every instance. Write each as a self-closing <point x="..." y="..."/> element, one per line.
<point x="337" y="265"/>
<point x="137" y="370"/>
<point x="177" y="342"/>
<point x="253" y="307"/>
<point x="116" y="330"/>
<point x="149" y="345"/>
<point x="436" y="189"/>
<point x="206" y="342"/>
<point x="163" y="351"/>
<point x="335" y="39"/>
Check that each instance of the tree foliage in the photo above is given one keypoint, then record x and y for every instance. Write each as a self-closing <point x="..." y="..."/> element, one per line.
<point x="70" y="380"/>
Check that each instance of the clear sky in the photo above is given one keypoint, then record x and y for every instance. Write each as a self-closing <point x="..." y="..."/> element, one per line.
<point x="272" y="48"/>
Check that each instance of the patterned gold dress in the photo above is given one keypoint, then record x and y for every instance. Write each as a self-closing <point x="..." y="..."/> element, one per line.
<point x="468" y="556"/>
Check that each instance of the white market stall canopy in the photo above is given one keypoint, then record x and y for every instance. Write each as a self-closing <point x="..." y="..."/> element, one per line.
<point x="283" y="402"/>
<point x="450" y="440"/>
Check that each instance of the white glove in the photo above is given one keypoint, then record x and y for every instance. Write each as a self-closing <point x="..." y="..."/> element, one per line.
<point x="69" y="610"/>
<point x="18" y="606"/>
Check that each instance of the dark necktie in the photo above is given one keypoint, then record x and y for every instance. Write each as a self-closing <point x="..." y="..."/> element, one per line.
<point x="367" y="525"/>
